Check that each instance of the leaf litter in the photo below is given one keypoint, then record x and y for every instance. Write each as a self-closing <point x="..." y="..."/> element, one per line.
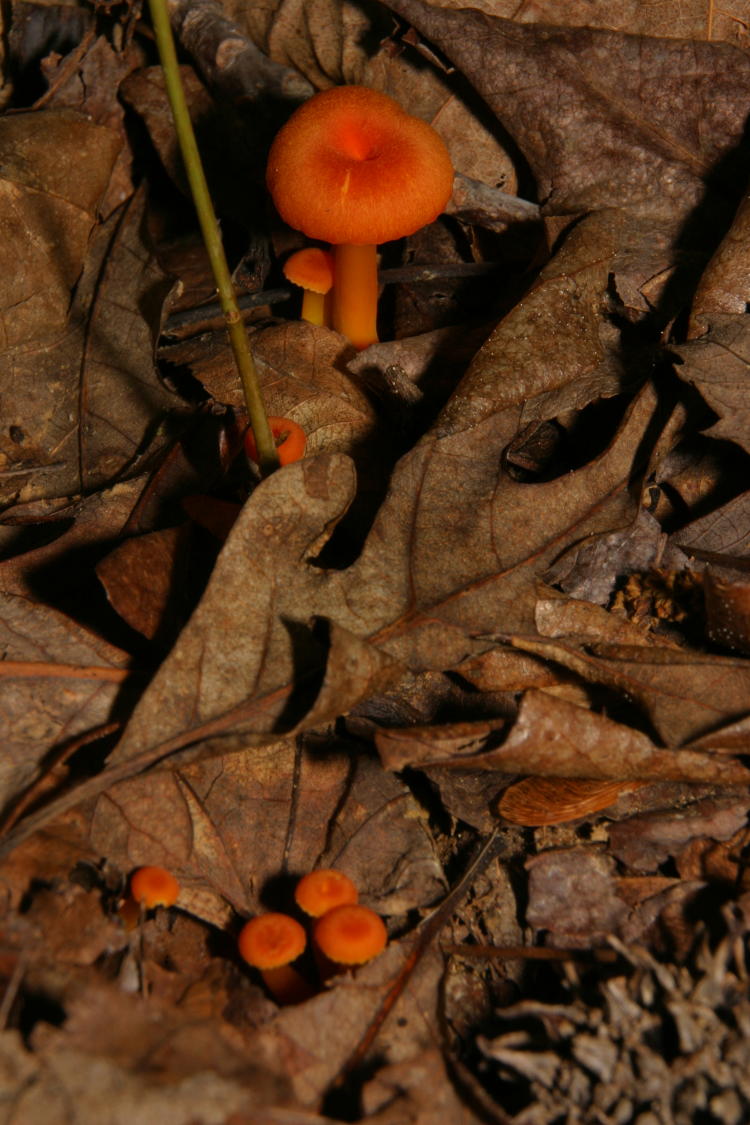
<point x="499" y="611"/>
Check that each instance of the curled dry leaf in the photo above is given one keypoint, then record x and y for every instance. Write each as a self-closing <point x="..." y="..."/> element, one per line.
<point x="684" y="693"/>
<point x="539" y="800"/>
<point x="645" y="842"/>
<point x="554" y="738"/>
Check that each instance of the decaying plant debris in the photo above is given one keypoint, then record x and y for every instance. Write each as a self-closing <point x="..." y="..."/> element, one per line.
<point x="485" y="648"/>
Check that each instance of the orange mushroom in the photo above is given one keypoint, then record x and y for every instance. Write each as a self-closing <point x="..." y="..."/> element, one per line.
<point x="312" y="270"/>
<point x="270" y="943"/>
<point x="352" y="168"/>
<point x="349" y="935"/>
<point x="289" y="437"/>
<point x="321" y="890"/>
<point x="154" y="886"/>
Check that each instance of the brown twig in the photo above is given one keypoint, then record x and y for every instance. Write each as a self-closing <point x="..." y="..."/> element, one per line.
<point x="43" y="669"/>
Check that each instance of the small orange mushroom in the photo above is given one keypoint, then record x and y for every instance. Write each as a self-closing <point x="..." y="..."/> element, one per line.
<point x="312" y="270"/>
<point x="352" y="168"/>
<point x="350" y="935"/>
<point x="154" y="886"/>
<point x="289" y="437"/>
<point x="321" y="890"/>
<point x="270" y="943"/>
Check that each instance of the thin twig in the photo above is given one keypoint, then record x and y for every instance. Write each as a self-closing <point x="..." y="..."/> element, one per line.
<point x="427" y="932"/>
<point x="42" y="669"/>
<point x="34" y="791"/>
<point x="207" y="313"/>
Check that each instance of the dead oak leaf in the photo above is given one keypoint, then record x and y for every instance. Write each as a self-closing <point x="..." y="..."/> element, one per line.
<point x="603" y="118"/>
<point x="692" y="19"/>
<point x="227" y="826"/>
<point x="458" y="545"/>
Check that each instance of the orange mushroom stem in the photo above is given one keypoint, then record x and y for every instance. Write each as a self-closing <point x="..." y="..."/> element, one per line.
<point x="348" y="935"/>
<point x="321" y="890"/>
<point x="270" y="943"/>
<point x="377" y="174"/>
<point x="312" y="270"/>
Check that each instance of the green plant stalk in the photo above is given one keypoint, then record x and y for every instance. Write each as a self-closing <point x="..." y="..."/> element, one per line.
<point x="266" y="446"/>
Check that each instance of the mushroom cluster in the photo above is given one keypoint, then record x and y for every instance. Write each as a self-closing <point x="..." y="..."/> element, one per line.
<point x="344" y="934"/>
<point x="351" y="167"/>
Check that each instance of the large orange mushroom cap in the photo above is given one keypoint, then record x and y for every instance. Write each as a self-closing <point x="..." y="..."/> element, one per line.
<point x="351" y="166"/>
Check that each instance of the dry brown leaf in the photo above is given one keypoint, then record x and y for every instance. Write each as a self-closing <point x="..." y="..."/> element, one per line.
<point x="721" y="536"/>
<point x="663" y="111"/>
<point x="141" y="577"/>
<point x="556" y="350"/>
<point x="727" y="612"/>
<point x="80" y="388"/>
<point x="321" y="1035"/>
<point x="89" y="82"/>
<point x="417" y="1091"/>
<point x="58" y="681"/>
<point x="573" y="893"/>
<point x="718" y="365"/>
<point x="724" y="287"/>
<point x="97" y="519"/>
<point x="645" y="842"/>
<point x="228" y="827"/>
<point x="691" y="20"/>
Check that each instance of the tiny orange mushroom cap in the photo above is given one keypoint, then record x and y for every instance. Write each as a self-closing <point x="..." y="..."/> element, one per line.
<point x="154" y="886"/>
<point x="289" y="437"/>
<point x="312" y="270"/>
<point x="351" y="167"/>
<point x="270" y="943"/>
<point x="321" y="890"/>
<point x="350" y="935"/>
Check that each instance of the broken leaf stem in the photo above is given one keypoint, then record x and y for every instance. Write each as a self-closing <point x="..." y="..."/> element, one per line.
<point x="267" y="456"/>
